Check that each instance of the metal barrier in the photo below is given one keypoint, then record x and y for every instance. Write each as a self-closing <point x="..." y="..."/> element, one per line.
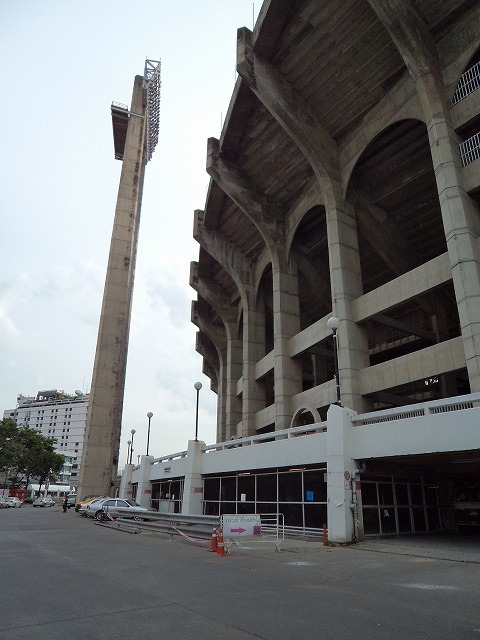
<point x="193" y="527"/>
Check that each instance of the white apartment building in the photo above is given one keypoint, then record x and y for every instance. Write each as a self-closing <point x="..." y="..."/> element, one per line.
<point x="59" y="415"/>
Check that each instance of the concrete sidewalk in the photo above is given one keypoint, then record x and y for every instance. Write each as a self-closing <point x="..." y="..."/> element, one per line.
<point x="455" y="548"/>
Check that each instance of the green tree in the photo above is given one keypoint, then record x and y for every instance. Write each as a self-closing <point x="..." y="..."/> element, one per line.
<point x="10" y="448"/>
<point x="26" y="453"/>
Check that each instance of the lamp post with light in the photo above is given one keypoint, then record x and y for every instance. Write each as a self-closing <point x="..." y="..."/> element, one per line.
<point x="333" y="323"/>
<point x="197" y="386"/>
<point x="149" y="416"/>
<point x="131" y="448"/>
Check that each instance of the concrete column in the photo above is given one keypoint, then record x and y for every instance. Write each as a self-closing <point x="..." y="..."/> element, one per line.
<point x="460" y="214"/>
<point x="125" y="490"/>
<point x="144" y="487"/>
<point x="346" y="284"/>
<point x="253" y="395"/>
<point x="342" y="506"/>
<point x="233" y="375"/>
<point x="102" y="437"/>
<point x="192" y="499"/>
<point x="286" y="323"/>
<point x="292" y="112"/>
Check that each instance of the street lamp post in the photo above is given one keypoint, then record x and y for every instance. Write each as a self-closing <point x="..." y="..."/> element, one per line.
<point x="149" y="416"/>
<point x="197" y="386"/>
<point x="333" y="323"/>
<point x="129" y="442"/>
<point x="131" y="448"/>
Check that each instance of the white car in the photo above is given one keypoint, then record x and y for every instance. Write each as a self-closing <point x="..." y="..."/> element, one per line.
<point x="13" y="501"/>
<point x="44" y="502"/>
<point x="114" y="507"/>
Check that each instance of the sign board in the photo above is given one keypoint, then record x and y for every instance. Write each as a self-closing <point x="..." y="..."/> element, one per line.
<point x="241" y="525"/>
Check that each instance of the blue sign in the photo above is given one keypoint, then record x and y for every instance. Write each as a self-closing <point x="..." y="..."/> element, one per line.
<point x="309" y="496"/>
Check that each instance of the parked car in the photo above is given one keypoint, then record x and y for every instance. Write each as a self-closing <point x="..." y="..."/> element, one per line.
<point x="71" y="500"/>
<point x="3" y="503"/>
<point x="44" y="502"/>
<point x="81" y="506"/>
<point x="13" y="501"/>
<point x="113" y="506"/>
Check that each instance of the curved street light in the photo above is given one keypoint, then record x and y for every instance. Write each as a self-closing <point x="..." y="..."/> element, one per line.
<point x="149" y="416"/>
<point x="197" y="386"/>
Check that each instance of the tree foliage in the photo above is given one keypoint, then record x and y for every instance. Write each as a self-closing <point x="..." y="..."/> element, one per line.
<point x="25" y="453"/>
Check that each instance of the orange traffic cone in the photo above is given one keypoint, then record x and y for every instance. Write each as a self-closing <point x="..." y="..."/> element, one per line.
<point x="220" y="545"/>
<point x="213" y="541"/>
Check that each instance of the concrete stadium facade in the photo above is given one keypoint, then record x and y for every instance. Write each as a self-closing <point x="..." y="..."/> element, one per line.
<point x="346" y="183"/>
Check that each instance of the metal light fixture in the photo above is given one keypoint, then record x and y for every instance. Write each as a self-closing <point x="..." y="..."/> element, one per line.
<point x="131" y="448"/>
<point x="129" y="442"/>
<point x="197" y="386"/>
<point x="149" y="416"/>
<point x="333" y="323"/>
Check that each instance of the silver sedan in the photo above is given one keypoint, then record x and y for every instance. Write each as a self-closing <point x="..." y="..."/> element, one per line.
<point x="114" y="507"/>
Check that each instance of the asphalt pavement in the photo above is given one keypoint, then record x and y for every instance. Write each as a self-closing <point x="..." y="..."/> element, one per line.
<point x="63" y="576"/>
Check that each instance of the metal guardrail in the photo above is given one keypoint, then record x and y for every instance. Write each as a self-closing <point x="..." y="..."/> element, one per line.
<point x="468" y="83"/>
<point x="470" y="150"/>
<point x="189" y="526"/>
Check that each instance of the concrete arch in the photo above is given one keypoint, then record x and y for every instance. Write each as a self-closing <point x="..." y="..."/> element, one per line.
<point x="301" y="411"/>
<point x="377" y="132"/>
<point x="380" y="119"/>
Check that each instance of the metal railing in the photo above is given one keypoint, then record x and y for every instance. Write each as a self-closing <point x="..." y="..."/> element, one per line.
<point x="284" y="434"/>
<point x="468" y="83"/>
<point x="172" y="524"/>
<point x="458" y="403"/>
<point x="470" y="150"/>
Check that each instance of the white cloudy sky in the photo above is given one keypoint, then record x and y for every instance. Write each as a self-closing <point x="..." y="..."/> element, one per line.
<point x="63" y="63"/>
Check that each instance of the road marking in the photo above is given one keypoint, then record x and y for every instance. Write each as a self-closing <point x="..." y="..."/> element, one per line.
<point x="430" y="586"/>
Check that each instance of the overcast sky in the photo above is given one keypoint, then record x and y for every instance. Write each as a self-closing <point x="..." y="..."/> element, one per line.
<point x="63" y="63"/>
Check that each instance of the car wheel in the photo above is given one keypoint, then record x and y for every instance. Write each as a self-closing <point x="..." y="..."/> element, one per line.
<point x="99" y="515"/>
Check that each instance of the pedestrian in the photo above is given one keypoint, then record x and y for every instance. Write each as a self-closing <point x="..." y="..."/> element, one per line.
<point x="64" y="504"/>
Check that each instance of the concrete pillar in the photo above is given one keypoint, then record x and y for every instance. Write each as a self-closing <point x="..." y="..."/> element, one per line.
<point x="253" y="395"/>
<point x="460" y="214"/>
<point x="125" y="490"/>
<point x="346" y="284"/>
<point x="192" y="500"/>
<point x="233" y="375"/>
<point x="144" y="487"/>
<point x="292" y="112"/>
<point x="286" y="323"/>
<point x="102" y="436"/>
<point x="343" y="501"/>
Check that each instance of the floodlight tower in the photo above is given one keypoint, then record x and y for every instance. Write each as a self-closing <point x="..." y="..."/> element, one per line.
<point x="135" y="134"/>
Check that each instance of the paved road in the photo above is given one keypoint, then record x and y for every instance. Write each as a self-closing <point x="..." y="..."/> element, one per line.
<point x="63" y="577"/>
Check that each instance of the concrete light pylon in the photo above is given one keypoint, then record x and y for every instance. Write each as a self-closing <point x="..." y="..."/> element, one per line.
<point x="135" y="136"/>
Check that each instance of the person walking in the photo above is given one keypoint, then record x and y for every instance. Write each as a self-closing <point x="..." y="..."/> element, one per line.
<point x="64" y="504"/>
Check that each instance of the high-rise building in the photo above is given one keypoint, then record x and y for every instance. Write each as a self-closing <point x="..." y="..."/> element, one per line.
<point x="59" y="415"/>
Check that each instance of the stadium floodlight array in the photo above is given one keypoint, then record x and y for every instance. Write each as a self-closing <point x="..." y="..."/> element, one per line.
<point x="152" y="82"/>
